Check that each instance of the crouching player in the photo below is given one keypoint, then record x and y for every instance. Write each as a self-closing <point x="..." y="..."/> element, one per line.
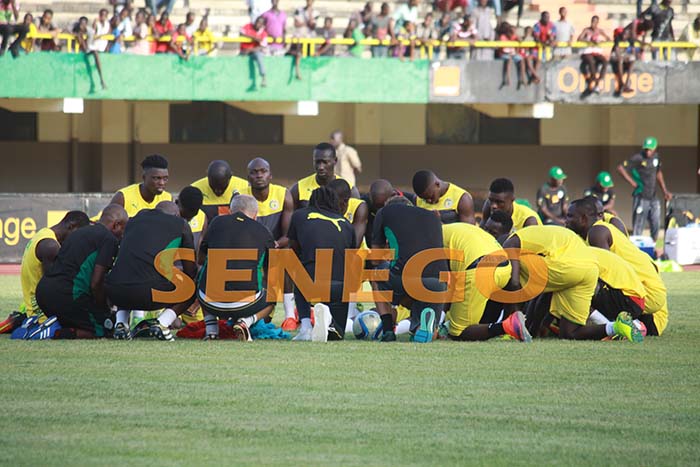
<point x="234" y="231"/>
<point x="131" y="283"/>
<point x="570" y="272"/>
<point x="477" y="317"/>
<point x="72" y="290"/>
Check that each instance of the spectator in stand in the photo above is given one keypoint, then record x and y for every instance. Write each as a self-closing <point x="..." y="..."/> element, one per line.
<point x="101" y="28"/>
<point x="530" y="57"/>
<point x="257" y="8"/>
<point x="153" y="32"/>
<point x="117" y="44"/>
<point x="9" y="15"/>
<point x="118" y="5"/>
<point x="408" y="33"/>
<point x="593" y="62"/>
<point x="256" y="32"/>
<point x="276" y="28"/>
<point x="564" y="32"/>
<point x="691" y="33"/>
<point x="465" y="32"/>
<point x="141" y="45"/>
<point x="382" y="28"/>
<point x="204" y="38"/>
<point x="354" y="32"/>
<point x="510" y="55"/>
<point x="483" y="15"/>
<point x="181" y="42"/>
<point x="544" y="32"/>
<point x="349" y="163"/>
<point x="406" y="12"/>
<point x="156" y="5"/>
<point x="304" y="26"/>
<point x="46" y="27"/>
<point x="364" y="16"/>
<point x="86" y="40"/>
<point x="444" y="27"/>
<point x="622" y="58"/>
<point x="497" y="6"/>
<point x="126" y="28"/>
<point x="190" y="25"/>
<point x="28" y="44"/>
<point x="163" y="27"/>
<point x="327" y="49"/>
<point x="510" y="4"/>
<point x="447" y="6"/>
<point x="662" y="16"/>
<point x="426" y="31"/>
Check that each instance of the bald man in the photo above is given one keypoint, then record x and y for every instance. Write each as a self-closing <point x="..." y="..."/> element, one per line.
<point x="380" y="191"/>
<point x="218" y="188"/>
<point x="452" y="203"/>
<point x="72" y="290"/>
<point x="131" y="282"/>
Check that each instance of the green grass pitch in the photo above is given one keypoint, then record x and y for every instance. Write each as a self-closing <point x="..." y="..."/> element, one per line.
<point x="355" y="403"/>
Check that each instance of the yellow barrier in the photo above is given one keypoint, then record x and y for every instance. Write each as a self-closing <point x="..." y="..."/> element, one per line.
<point x="309" y="44"/>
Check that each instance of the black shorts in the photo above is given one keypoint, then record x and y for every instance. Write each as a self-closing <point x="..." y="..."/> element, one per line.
<point x="232" y="310"/>
<point x="648" y="321"/>
<point x="80" y="313"/>
<point x="610" y="302"/>
<point x="140" y="296"/>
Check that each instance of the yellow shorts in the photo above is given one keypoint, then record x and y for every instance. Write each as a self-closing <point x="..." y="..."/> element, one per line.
<point x="573" y="285"/>
<point x="660" y="318"/>
<point x="402" y="313"/>
<point x="655" y="298"/>
<point x="470" y="311"/>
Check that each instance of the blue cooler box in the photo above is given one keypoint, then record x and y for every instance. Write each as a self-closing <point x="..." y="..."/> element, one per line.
<point x="646" y="244"/>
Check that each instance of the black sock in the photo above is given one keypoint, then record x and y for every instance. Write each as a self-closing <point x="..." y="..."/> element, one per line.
<point x="496" y="329"/>
<point x="387" y="323"/>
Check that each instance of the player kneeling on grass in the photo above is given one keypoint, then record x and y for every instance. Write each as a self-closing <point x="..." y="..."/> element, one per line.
<point x="409" y="230"/>
<point x="130" y="284"/>
<point x="72" y="290"/>
<point x="477" y="317"/>
<point x="233" y="231"/>
<point x="562" y="260"/>
<point x="321" y="225"/>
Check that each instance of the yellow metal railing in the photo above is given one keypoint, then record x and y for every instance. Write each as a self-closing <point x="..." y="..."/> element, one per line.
<point x="426" y="48"/>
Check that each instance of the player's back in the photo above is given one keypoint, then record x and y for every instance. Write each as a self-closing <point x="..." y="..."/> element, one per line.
<point x="472" y="240"/>
<point x="554" y="242"/>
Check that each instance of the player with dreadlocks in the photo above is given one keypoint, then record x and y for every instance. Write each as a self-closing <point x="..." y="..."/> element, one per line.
<point x="321" y="225"/>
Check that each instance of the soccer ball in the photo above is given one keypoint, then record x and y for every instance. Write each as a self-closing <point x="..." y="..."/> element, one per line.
<point x="367" y="326"/>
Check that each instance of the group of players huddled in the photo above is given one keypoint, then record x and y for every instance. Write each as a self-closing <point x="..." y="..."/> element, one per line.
<point x="517" y="278"/>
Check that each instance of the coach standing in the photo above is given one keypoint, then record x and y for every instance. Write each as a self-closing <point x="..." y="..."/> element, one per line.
<point x="349" y="163"/>
<point x="643" y="172"/>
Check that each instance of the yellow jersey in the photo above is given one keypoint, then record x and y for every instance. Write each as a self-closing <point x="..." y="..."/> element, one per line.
<point x="31" y="272"/>
<point x="213" y="205"/>
<point x="472" y="240"/>
<point x="447" y="205"/>
<point x="618" y="274"/>
<point x="134" y="202"/>
<point x="308" y="184"/>
<point x="554" y="242"/>
<point x="607" y="217"/>
<point x="197" y="222"/>
<point x="521" y="214"/>
<point x="205" y="39"/>
<point x="641" y="262"/>
<point x="353" y="204"/>
<point x="270" y="210"/>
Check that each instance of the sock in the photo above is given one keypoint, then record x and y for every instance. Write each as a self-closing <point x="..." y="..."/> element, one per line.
<point x="496" y="329"/>
<point x="138" y="314"/>
<point x="167" y="317"/>
<point x="212" y="324"/>
<point x="348" y="326"/>
<point x="387" y="322"/>
<point x="597" y="317"/>
<point x="609" y="330"/>
<point x="442" y="318"/>
<point x="403" y="327"/>
<point x="288" y="301"/>
<point x="352" y="310"/>
<point x="305" y="324"/>
<point x="123" y="317"/>
<point x="249" y="320"/>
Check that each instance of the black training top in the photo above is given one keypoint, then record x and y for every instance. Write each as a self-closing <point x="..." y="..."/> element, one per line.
<point x="76" y="260"/>
<point x="237" y="231"/>
<point x="553" y="199"/>
<point x="147" y="234"/>
<point x="409" y="230"/>
<point x="604" y="196"/>
<point x="373" y="212"/>
<point x="322" y="229"/>
<point x="643" y="171"/>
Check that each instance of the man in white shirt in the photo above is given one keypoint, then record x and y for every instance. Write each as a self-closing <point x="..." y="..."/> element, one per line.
<point x="564" y="33"/>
